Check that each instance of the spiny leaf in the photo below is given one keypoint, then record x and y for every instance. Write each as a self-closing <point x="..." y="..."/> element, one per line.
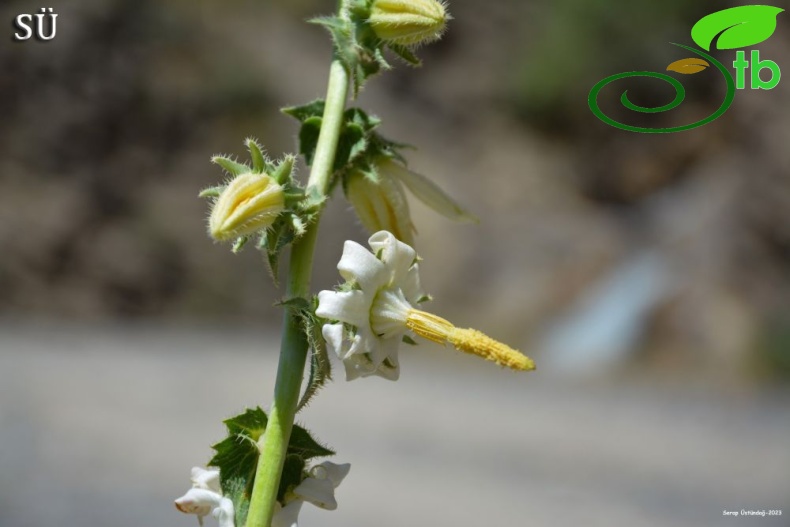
<point x="688" y="66"/>
<point x="304" y="445"/>
<point x="251" y="423"/>
<point x="237" y="455"/>
<point x="237" y="459"/>
<point x="308" y="138"/>
<point x="739" y="27"/>
<point x="306" y="111"/>
<point x="237" y="492"/>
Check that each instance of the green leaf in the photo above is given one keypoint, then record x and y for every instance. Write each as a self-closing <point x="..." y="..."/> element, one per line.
<point x="306" y="111"/>
<point x="237" y="457"/>
<point x="352" y="143"/>
<point x="251" y="423"/>
<point x="304" y="445"/>
<point x="237" y="492"/>
<point x="292" y="475"/>
<point x="737" y="27"/>
<point x="308" y="138"/>
<point x="297" y="303"/>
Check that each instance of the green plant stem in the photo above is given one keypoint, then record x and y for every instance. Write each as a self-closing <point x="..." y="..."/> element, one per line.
<point x="293" y="349"/>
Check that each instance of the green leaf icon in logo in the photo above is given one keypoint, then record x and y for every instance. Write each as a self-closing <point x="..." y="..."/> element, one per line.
<point x="739" y="27"/>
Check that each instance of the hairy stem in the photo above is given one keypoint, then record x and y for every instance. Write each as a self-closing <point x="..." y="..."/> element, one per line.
<point x="293" y="349"/>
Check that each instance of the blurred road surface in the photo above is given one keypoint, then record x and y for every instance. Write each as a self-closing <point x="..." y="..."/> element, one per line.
<point x="99" y="427"/>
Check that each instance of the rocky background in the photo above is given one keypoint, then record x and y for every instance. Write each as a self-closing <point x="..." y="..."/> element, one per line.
<point x="654" y="267"/>
<point x="107" y="130"/>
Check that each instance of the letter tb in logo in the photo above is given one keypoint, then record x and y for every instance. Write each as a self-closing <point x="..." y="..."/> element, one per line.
<point x="757" y="66"/>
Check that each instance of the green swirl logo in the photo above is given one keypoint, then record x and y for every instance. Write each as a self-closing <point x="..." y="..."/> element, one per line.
<point x="730" y="28"/>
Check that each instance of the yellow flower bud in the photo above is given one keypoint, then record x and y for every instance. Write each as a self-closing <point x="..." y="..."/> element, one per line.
<point x="250" y="203"/>
<point x="381" y="206"/>
<point x="408" y="22"/>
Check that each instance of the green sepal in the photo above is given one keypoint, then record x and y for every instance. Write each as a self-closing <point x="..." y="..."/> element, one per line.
<point x="212" y="192"/>
<point x="408" y="340"/>
<point x="256" y="155"/>
<point x="320" y="366"/>
<point x="282" y="173"/>
<point x="406" y="54"/>
<point x="231" y="166"/>
<point x="239" y="244"/>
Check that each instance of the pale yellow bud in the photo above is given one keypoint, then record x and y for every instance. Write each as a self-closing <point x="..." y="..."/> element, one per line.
<point x="250" y="203"/>
<point x="381" y="206"/>
<point x="408" y="22"/>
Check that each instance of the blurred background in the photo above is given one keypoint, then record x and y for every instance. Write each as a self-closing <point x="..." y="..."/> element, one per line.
<point x="648" y="275"/>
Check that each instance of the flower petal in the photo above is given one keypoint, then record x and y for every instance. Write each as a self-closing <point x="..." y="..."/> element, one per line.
<point x="357" y="366"/>
<point x="386" y="359"/>
<point x="411" y="286"/>
<point x="359" y="265"/>
<point x="339" y="344"/>
<point x="206" y="479"/>
<point x="198" y="501"/>
<point x="428" y="192"/>
<point x="319" y="492"/>
<point x="396" y="255"/>
<point x="225" y="513"/>
<point x="287" y="516"/>
<point x="336" y="473"/>
<point x="351" y="307"/>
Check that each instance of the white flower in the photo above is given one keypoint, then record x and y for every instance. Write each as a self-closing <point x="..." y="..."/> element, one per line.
<point x="369" y="318"/>
<point x="205" y="497"/>
<point x="370" y="315"/>
<point x="318" y="489"/>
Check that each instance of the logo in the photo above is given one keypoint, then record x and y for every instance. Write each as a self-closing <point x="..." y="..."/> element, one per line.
<point x="733" y="28"/>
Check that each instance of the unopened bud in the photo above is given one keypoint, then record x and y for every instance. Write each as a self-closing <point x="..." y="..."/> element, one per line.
<point x="381" y="206"/>
<point x="250" y="203"/>
<point x="408" y="22"/>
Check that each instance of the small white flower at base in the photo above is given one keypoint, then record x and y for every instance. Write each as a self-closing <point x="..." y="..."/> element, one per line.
<point x="205" y="497"/>
<point x="370" y="315"/>
<point x="318" y="489"/>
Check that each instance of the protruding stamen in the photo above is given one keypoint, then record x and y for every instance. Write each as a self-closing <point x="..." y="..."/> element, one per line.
<point x="477" y="343"/>
<point x="471" y="341"/>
